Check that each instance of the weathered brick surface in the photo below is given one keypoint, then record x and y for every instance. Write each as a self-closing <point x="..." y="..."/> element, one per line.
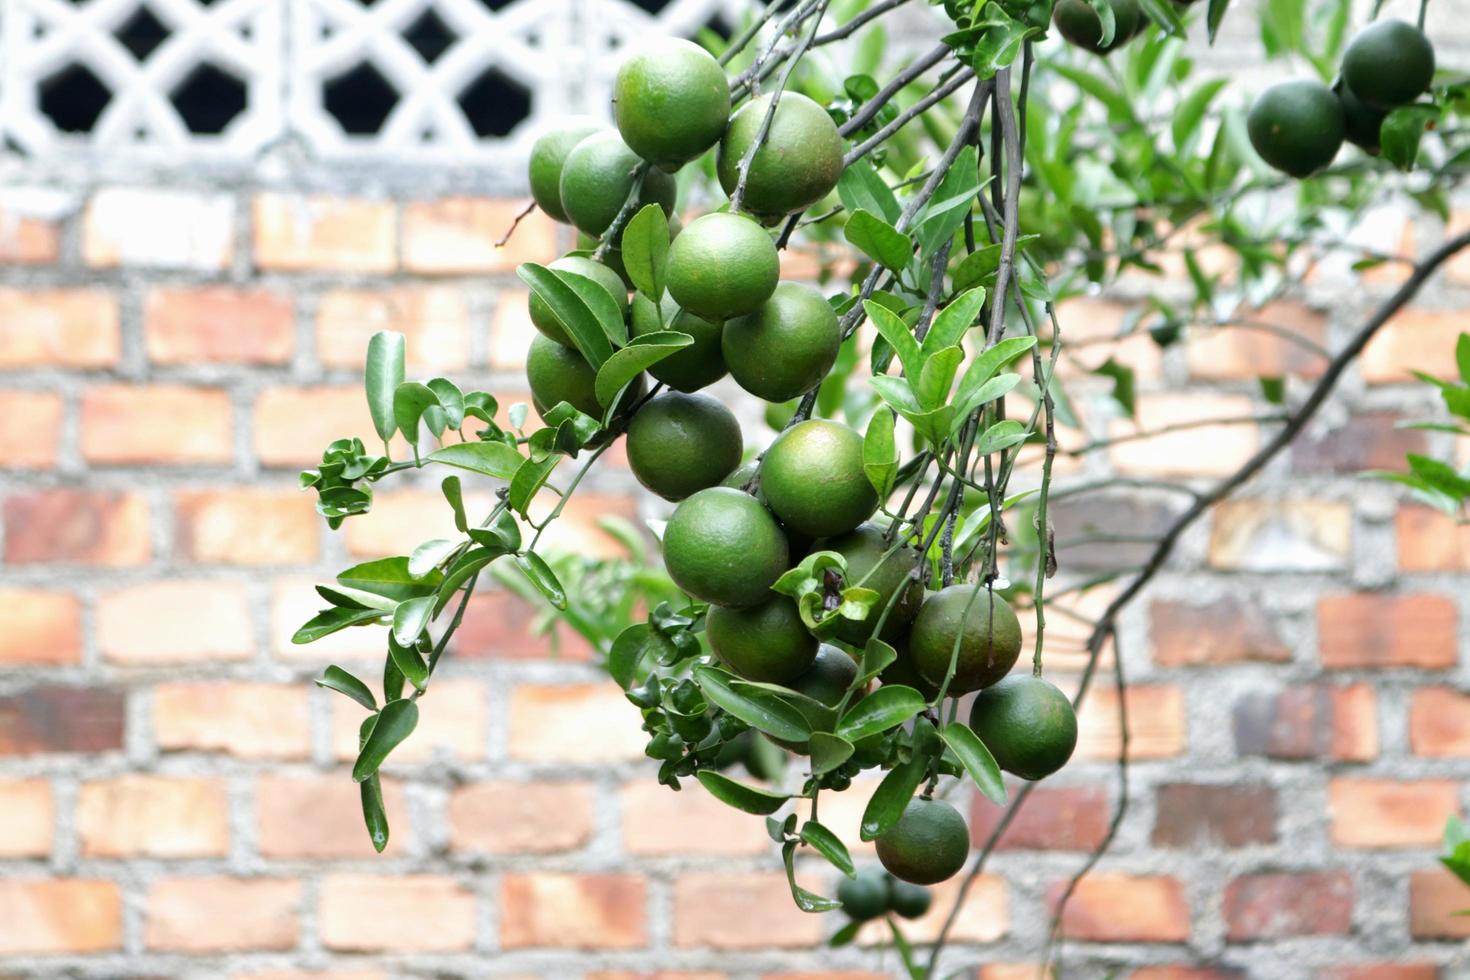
<point x="1275" y="906"/>
<point x="1197" y="816"/>
<point x="1072" y="818"/>
<point x="577" y="911"/>
<point x="1126" y="908"/>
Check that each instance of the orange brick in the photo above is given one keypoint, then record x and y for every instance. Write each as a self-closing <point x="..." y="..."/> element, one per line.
<point x="1355" y="723"/>
<point x="576" y="531"/>
<point x="1284" y="904"/>
<point x="601" y="911"/>
<point x="1220" y="632"/>
<point x="251" y="721"/>
<point x="1430" y="541"/>
<point x="1094" y="326"/>
<point x="88" y="527"/>
<point x="1439" y="723"/>
<point x="49" y="917"/>
<point x="29" y="814"/>
<point x="28" y="239"/>
<point x="147" y="624"/>
<point x="69" y="328"/>
<point x="248" y="526"/>
<point x="1281" y="535"/>
<point x="1156" y="723"/>
<point x="292" y="426"/>
<point x="1437" y="900"/>
<point x="1370" y="630"/>
<point x="218" y="325"/>
<point x="320" y="817"/>
<point x="220" y="915"/>
<point x="1235" y="353"/>
<point x="30" y="429"/>
<point x="41" y="627"/>
<point x="1209" y="450"/>
<point x="573" y="723"/>
<point x="1414" y="340"/>
<point x="511" y="332"/>
<point x="454" y="723"/>
<point x="521" y="818"/>
<point x="1390" y="813"/>
<point x="658" y="821"/>
<point x="322" y="232"/>
<point x="497" y="625"/>
<point x="293" y="602"/>
<point x="158" y="227"/>
<point x="1118" y="908"/>
<point x="401" y="519"/>
<point x="355" y="907"/>
<point x="153" y="816"/>
<point x="43" y="719"/>
<point x="656" y="975"/>
<point x="457" y="236"/>
<point x="740" y="911"/>
<point x="1384" y="971"/>
<point x="132" y="424"/>
<point x="435" y="322"/>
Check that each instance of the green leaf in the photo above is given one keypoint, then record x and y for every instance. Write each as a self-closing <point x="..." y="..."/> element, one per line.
<point x="641" y="353"/>
<point x="1215" y="16"/>
<point x="877" y="655"/>
<point x="1001" y="435"/>
<point x="977" y="760"/>
<point x="936" y="377"/>
<point x="829" y="845"/>
<point x="766" y="714"/>
<point x="879" y="240"/>
<point x="334" y="678"/>
<point x="997" y="357"/>
<point x="465" y="567"/>
<point x="891" y="797"/>
<point x="845" y="935"/>
<point x="329" y="621"/>
<point x="952" y="322"/>
<point x="1402" y="130"/>
<point x="1462" y="357"/>
<point x="409" y="661"/>
<point x="1123" y="388"/>
<point x="645" y="249"/>
<point x="395" y="723"/>
<point x="805" y="900"/>
<point x="1191" y="111"/>
<point x="389" y="577"/>
<point x="529" y="480"/>
<point x="410" y="401"/>
<point x="1109" y="23"/>
<point x="828" y="751"/>
<point x="494" y="459"/>
<point x="451" y="399"/>
<point x="1440" y="476"/>
<point x="952" y="200"/>
<point x="374" y="814"/>
<point x="862" y="189"/>
<point x="966" y="401"/>
<point x="739" y="795"/>
<point x="1162" y="12"/>
<point x="541" y="576"/>
<point x="1273" y="389"/>
<point x="627" y="653"/>
<point x="890" y="705"/>
<point x="583" y="307"/>
<point x="880" y="453"/>
<point x="898" y="335"/>
<point x="339" y="595"/>
<point x="382" y="376"/>
<point x="411" y="618"/>
<point x="454" y="493"/>
<point x="429" y="555"/>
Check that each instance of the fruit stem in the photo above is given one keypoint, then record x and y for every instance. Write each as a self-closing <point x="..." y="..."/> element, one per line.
<point x="625" y="213"/>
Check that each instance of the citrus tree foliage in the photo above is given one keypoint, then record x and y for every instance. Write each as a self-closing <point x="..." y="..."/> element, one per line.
<point x="825" y="605"/>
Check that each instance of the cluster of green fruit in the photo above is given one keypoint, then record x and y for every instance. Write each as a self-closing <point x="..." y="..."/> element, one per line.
<point x="1298" y="126"/>
<point x="874" y="893"/>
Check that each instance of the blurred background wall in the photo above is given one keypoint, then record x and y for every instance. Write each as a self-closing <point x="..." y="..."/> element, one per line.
<point x="205" y="211"/>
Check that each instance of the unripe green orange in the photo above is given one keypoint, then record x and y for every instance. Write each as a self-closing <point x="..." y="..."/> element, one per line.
<point x="722" y="265"/>
<point x="680" y="444"/>
<point x="785" y="348"/>
<point x="694" y="367"/>
<point x="799" y="163"/>
<point x="560" y="374"/>
<point x="1389" y="63"/>
<point x="548" y="154"/>
<point x="871" y="565"/>
<point x="813" y="478"/>
<point x="544" y="320"/>
<point x="672" y="102"/>
<point x="1297" y="126"/>
<point x="1027" y="724"/>
<point x="597" y="177"/>
<point x="1079" y="23"/>
<point x="724" y="547"/>
<point x="928" y="844"/>
<point x="766" y="642"/>
<point x="988" y="631"/>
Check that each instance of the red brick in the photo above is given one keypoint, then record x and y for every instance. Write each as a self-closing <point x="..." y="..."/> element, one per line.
<point x="247" y="526"/>
<point x="356" y="907"/>
<point x="220" y="915"/>
<point x="30" y="429"/>
<point x="1195" y="816"/>
<point x="454" y="724"/>
<point x="1156" y="723"/>
<point x="1219" y="632"/>
<point x="657" y="821"/>
<point x="142" y="624"/>
<point x="1095" y="327"/>
<point x="41" y="627"/>
<point x="601" y="911"/>
<point x="43" y="720"/>
<point x="218" y="325"/>
<point x="1370" y="441"/>
<point x="1114" y="908"/>
<point x="579" y="723"/>
<point x="249" y="721"/>
<point x="320" y="817"/>
<point x="30" y="813"/>
<point x="1436" y="901"/>
<point x="401" y="519"/>
<point x="28" y="239"/>
<point x="1439" y="723"/>
<point x="1430" y="541"/>
<point x="324" y="233"/>
<point x="457" y="236"/>
<point x="134" y="424"/>
<point x="1240" y="353"/>
<point x="160" y="227"/>
<point x="1281" y="535"/>
<point x="88" y="527"/>
<point x="68" y="328"/>
<point x="1209" y="450"/>
<point x="1055" y="818"/>
<point x="1390" y="813"/>
<point x="153" y="816"/>
<point x="1372" y="630"/>
<point x="292" y="426"/>
<point x="50" y="917"/>
<point x="497" y="625"/>
<point x="1383" y="971"/>
<point x="521" y="818"/>
<point x="740" y="911"/>
<point x="435" y="322"/>
<point x="1187" y="973"/>
<point x="1278" y="906"/>
<point x="1309" y="721"/>
<point x="1414" y="340"/>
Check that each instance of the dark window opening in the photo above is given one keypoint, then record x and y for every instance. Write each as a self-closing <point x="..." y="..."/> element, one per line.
<point x="209" y="99"/>
<point x="429" y="36"/>
<point x="73" y="98"/>
<point x="360" y="100"/>
<point x="494" y="105"/>
<point x="141" y="33"/>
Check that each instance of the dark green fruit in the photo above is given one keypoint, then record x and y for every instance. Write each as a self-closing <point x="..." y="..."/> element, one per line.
<point x="989" y="637"/>
<point x="902" y="671"/>
<point x="1389" y="63"/>
<point x="680" y="444"/>
<point x="799" y="163"/>
<point x="908" y="900"/>
<point x="672" y="102"/>
<point x="722" y="546"/>
<point x="864" y="897"/>
<point x="560" y="374"/>
<point x="864" y="548"/>
<point x="813" y="478"/>
<point x="828" y="677"/>
<point x="597" y="178"/>
<point x="784" y="349"/>
<point x="1079" y="23"/>
<point x="722" y="265"/>
<point x="1027" y="724"/>
<point x="548" y="154"/>
<point x="767" y="642"/>
<point x="1362" y="123"/>
<point x="544" y="320"/>
<point x="1297" y="126"/>
<point x="694" y="367"/>
<point x="928" y="844"/>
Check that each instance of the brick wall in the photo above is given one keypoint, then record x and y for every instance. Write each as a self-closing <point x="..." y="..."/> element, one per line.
<point x="174" y="798"/>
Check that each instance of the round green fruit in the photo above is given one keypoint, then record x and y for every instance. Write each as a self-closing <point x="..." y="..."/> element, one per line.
<point x="784" y="349"/>
<point x="1079" y="23"/>
<point x="548" y="154"/>
<point x="722" y="265"/>
<point x="928" y="844"/>
<point x="544" y="320"/>
<point x="989" y="637"/>
<point x="560" y="374"/>
<point x="680" y="444"/>
<point x="864" y="897"/>
<point x="813" y="479"/>
<point x="691" y="368"/>
<point x="902" y="671"/>
<point x="722" y="546"/>
<point x="1297" y="126"/>
<point x="672" y="102"/>
<point x="597" y="178"/>
<point x="1362" y="123"/>
<point x="1027" y="724"/>
<point x="799" y="163"/>
<point x="767" y="642"/>
<point x="828" y="677"/>
<point x="865" y="548"/>
<point x="908" y="900"/>
<point x="1389" y="63"/>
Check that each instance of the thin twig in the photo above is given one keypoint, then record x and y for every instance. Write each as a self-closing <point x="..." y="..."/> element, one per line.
<point x="515" y="223"/>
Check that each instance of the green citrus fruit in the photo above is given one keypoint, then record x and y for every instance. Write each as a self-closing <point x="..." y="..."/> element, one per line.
<point x="545" y="320"/>
<point x="990" y="637"/>
<point x="768" y="642"/>
<point x="680" y="444"/>
<point x="672" y="102"/>
<point x="902" y="671"/>
<point x="1297" y="126"/>
<point x="1388" y="63"/>
<point x="813" y="479"/>
<point x="693" y="367"/>
<point x="864" y="897"/>
<point x="548" y="154"/>
<point x="907" y="899"/>
<point x="560" y="374"/>
<point x="865" y="548"/>
<point x="778" y="414"/>
<point x="722" y="546"/>
<point x="1361" y="122"/>
<point x="1079" y="23"/>
<point x="799" y="163"/>
<point x="785" y="348"/>
<point x="722" y="265"/>
<point x="928" y="844"/>
<point x="829" y="676"/>
<point x="597" y="178"/>
<point x="1027" y="724"/>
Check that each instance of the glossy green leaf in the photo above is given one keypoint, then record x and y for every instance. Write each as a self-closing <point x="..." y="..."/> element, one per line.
<point x="879" y="240"/>
<point x="828" y="751"/>
<point x="454" y="493"/>
<point x="411" y="618"/>
<point x="936" y="377"/>
<point x="766" y="714"/>
<point x="805" y="900"/>
<point x="861" y="188"/>
<point x="1462" y="357"/>
<point x="829" y="845"/>
<point x="389" y="577"/>
<point x="967" y="400"/>
<point x="374" y="814"/>
<point x="1123" y="384"/>
<point x="451" y="399"/>
<point x="898" y="335"/>
<point x="494" y="459"/>
<point x="645" y="248"/>
<point x="1001" y="435"/>
<point x="977" y="760"/>
<point x="395" y="723"/>
<point x="1162" y="12"/>
<point x="1215" y="17"/>
<point x="954" y="321"/>
<point x="877" y="655"/>
<point x="329" y="621"/>
<point x="340" y="595"/>
<point x="1191" y="112"/>
<point x="888" y="801"/>
<point x="584" y="308"/>
<point x="409" y="662"/>
<point x="429" y="555"/>
<point x="885" y="708"/>
<point x="334" y="678"/>
<point x="528" y="481"/>
<point x="541" y="576"/>
<point x="741" y="796"/>
<point x="1402" y="131"/>
<point x="464" y="568"/>
<point x="410" y="401"/>
<point x="880" y="453"/>
<point x="627" y="653"/>
<point x="382" y="376"/>
<point x="1441" y="476"/>
<point x="641" y="353"/>
<point x="982" y="368"/>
